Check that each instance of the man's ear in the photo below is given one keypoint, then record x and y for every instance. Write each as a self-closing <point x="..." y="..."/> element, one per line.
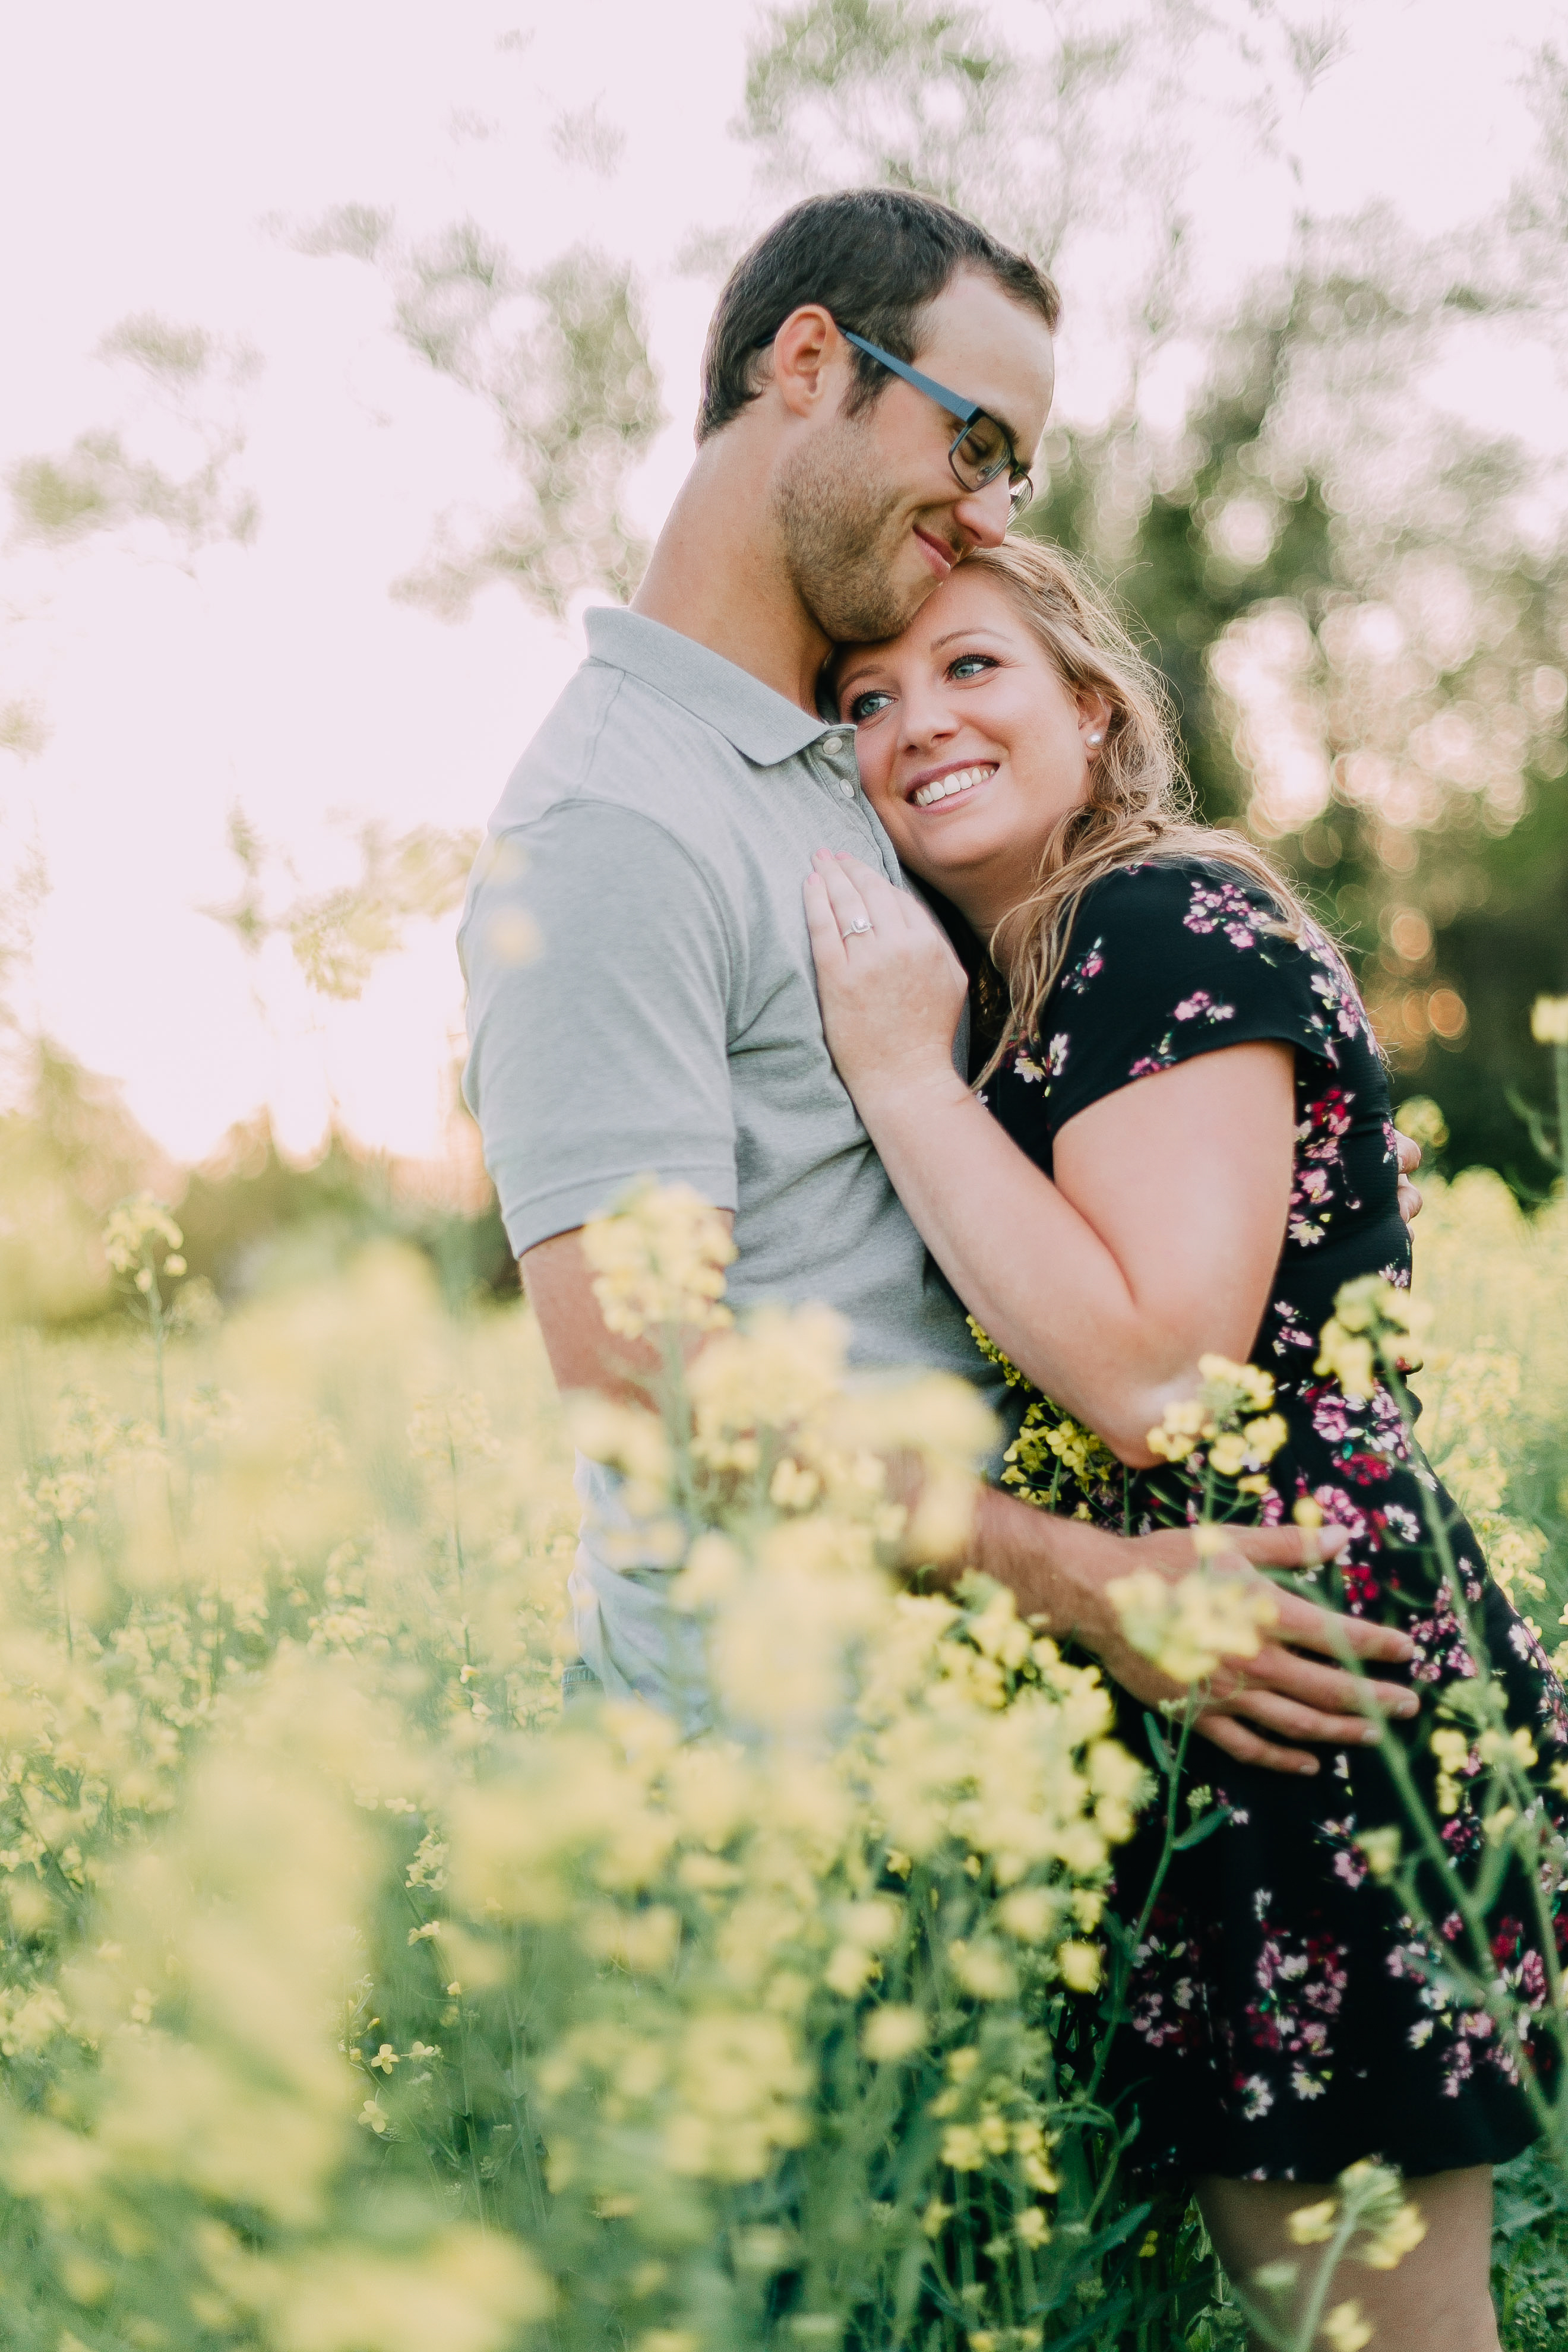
<point x="810" y="360"/>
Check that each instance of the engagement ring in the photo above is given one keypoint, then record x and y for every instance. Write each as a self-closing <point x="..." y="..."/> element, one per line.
<point x="857" y="929"/>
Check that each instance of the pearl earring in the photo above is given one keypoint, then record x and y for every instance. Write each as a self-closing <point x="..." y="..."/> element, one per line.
<point x="1094" y="742"/>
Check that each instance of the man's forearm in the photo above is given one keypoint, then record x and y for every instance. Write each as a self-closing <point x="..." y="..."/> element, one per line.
<point x="1056" y="1569"/>
<point x="558" y="1282"/>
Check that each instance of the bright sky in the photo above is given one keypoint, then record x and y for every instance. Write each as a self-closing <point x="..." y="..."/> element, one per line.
<point x="143" y="154"/>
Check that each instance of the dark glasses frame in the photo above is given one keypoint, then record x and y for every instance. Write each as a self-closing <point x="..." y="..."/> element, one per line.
<point x="977" y="476"/>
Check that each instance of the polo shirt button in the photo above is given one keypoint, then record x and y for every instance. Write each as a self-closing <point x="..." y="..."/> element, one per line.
<point x="848" y="790"/>
<point x="833" y="743"/>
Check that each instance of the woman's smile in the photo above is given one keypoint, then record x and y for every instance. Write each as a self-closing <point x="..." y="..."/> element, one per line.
<point x="943" y="786"/>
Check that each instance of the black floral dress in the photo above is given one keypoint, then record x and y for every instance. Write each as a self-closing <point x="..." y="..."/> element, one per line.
<point x="1285" y="2016"/>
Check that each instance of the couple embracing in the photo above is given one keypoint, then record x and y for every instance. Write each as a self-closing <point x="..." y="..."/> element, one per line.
<point x="1171" y="1137"/>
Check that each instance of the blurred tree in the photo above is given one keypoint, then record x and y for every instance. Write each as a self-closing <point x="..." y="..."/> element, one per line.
<point x="99" y="485"/>
<point x="561" y="359"/>
<point x="1363" y="608"/>
<point x="338" y="936"/>
<point x="253" y="1218"/>
<point x="69" y="1151"/>
<point x="1370" y="675"/>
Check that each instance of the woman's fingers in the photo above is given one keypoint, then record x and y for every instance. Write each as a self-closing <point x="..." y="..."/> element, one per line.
<point x="890" y="909"/>
<point x="827" y="946"/>
<point x="849" y="909"/>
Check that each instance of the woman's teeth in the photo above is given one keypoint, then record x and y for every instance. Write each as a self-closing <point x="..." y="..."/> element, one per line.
<point x="944" y="787"/>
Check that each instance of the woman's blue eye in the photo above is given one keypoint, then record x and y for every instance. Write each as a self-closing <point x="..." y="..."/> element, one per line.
<point x="865" y="706"/>
<point x="970" y="665"/>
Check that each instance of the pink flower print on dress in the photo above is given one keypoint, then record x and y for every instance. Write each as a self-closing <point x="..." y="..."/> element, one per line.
<point x="1302" y="1982"/>
<point x="1340" y="1511"/>
<point x="1200" y="1005"/>
<point x="1090" y="965"/>
<point x="1162" y="1058"/>
<point x="1441" y="1655"/>
<point x="1309" y="1212"/>
<point x="1226" y="909"/>
<point x="1290" y="1332"/>
<point x="1325" y="1124"/>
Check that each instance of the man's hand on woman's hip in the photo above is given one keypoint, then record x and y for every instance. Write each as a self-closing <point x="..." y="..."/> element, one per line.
<point x="1060" y="1570"/>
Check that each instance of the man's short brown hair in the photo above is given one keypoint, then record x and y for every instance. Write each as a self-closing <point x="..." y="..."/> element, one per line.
<point x="875" y="258"/>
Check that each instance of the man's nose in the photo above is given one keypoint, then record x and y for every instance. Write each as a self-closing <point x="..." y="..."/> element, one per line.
<point x="982" y="516"/>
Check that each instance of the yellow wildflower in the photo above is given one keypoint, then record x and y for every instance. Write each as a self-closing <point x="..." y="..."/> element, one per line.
<point x="962" y="2148"/>
<point x="660" y="1263"/>
<point x="1312" y="2225"/>
<point x="891" y="2032"/>
<point x="1395" y="2237"/>
<point x="1081" y="1966"/>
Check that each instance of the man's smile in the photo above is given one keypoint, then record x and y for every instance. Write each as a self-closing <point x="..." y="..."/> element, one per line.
<point x="938" y="552"/>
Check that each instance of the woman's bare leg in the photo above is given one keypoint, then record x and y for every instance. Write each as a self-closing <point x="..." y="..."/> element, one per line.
<point x="1436" y="2301"/>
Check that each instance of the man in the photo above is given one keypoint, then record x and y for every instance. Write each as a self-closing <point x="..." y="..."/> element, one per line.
<point x="654" y="840"/>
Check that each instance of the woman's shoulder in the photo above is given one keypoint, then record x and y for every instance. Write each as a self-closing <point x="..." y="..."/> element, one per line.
<point x="1204" y="895"/>
<point x="1232" y="947"/>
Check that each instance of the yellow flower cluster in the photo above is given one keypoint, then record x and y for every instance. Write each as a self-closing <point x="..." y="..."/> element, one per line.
<point x="1228" y="1420"/>
<point x="1382" y="2224"/>
<point x="133" y="1230"/>
<point x="314" y="1898"/>
<point x="660" y="1264"/>
<point x="1371" y="1330"/>
<point x="1549" y="1020"/>
<point x="1187" y="1625"/>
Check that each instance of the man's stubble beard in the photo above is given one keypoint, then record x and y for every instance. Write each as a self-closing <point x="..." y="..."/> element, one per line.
<point x="840" y="530"/>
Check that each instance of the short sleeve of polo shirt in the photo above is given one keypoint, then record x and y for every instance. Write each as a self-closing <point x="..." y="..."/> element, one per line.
<point x="598" y="975"/>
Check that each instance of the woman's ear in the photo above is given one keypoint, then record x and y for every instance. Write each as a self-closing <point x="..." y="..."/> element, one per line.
<point x="1094" y="714"/>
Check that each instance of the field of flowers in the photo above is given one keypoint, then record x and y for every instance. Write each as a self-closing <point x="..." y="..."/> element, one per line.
<point x="357" y="1998"/>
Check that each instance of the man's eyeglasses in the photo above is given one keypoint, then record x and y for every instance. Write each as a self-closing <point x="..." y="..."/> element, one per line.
<point x="982" y="450"/>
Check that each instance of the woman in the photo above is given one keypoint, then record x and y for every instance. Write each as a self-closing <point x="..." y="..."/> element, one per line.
<point x="1181" y="1145"/>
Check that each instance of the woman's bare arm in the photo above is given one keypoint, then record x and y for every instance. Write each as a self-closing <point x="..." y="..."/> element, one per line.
<point x="1158" y="1241"/>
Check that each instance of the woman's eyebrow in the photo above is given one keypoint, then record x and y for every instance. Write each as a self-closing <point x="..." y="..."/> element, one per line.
<point x="982" y="631"/>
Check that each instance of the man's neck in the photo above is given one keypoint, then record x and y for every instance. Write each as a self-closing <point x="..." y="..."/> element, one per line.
<point x="717" y="574"/>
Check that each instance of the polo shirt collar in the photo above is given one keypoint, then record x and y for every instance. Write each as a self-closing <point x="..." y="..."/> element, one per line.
<point x="764" y="727"/>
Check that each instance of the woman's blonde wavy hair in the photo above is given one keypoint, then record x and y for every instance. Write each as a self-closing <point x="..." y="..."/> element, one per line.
<point x="1140" y="801"/>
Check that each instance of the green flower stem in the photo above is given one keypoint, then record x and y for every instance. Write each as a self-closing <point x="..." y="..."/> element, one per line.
<point x="1172" y="1761"/>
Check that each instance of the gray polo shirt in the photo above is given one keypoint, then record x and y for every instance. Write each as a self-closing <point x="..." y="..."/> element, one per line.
<point x="642" y="999"/>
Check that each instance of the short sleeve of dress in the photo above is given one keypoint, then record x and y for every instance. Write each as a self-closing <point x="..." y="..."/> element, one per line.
<point x="1171" y="959"/>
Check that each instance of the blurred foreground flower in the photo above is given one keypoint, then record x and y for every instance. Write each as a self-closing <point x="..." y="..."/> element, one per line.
<point x="659" y="1264"/>
<point x="355" y="1999"/>
<point x="1227" y="1427"/>
<point x="1372" y="1329"/>
<point x="1187" y="1626"/>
